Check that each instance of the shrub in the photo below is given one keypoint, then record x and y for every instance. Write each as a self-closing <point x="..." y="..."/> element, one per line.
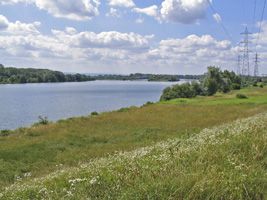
<point x="236" y="86"/>
<point x="261" y="85"/>
<point x="42" y="121"/>
<point x="241" y="96"/>
<point x="123" y="109"/>
<point x="178" y="91"/>
<point x="94" y="113"/>
<point x="148" y="103"/>
<point x="5" y="133"/>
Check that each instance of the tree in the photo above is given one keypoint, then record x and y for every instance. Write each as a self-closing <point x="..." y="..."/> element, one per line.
<point x="213" y="80"/>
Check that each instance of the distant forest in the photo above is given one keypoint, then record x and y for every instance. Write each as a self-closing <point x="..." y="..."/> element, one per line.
<point x="149" y="77"/>
<point x="11" y="75"/>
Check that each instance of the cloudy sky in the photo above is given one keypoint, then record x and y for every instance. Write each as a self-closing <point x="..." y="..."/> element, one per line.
<point x="125" y="36"/>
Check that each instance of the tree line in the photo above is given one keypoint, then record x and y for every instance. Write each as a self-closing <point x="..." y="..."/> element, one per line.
<point x="11" y="75"/>
<point x="212" y="82"/>
<point x="149" y="77"/>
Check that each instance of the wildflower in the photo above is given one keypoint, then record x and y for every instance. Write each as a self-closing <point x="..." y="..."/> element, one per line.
<point x="93" y="180"/>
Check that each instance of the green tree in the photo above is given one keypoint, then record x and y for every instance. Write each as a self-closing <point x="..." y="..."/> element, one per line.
<point x="213" y="80"/>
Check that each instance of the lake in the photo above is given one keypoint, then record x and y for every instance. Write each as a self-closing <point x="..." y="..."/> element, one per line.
<point x="21" y="104"/>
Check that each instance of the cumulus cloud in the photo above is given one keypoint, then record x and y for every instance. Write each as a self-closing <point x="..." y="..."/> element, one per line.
<point x="3" y="22"/>
<point x="183" y="11"/>
<point x="113" y="12"/>
<point x="259" y="42"/>
<point x="114" y="50"/>
<point x="18" y="27"/>
<point x="111" y="39"/>
<point x="121" y="3"/>
<point x="150" y="11"/>
<point x="195" y="52"/>
<point x="70" y="9"/>
<point x="10" y="2"/>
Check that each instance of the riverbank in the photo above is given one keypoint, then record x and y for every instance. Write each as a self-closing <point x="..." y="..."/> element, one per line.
<point x="28" y="153"/>
<point x="22" y="104"/>
<point x="223" y="162"/>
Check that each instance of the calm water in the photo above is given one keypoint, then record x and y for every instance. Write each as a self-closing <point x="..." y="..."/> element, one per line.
<point x="20" y="105"/>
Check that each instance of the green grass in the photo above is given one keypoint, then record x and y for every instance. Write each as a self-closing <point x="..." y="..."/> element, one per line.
<point x="225" y="162"/>
<point x="41" y="150"/>
<point x="257" y="96"/>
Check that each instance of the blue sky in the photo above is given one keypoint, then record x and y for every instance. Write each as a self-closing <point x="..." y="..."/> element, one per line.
<point x="126" y="36"/>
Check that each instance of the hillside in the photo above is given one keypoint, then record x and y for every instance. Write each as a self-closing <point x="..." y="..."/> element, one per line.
<point x="206" y="154"/>
<point x="224" y="162"/>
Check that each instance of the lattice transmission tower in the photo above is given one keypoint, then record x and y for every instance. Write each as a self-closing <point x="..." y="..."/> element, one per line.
<point x="238" y="70"/>
<point x="245" y="58"/>
<point x="256" y="66"/>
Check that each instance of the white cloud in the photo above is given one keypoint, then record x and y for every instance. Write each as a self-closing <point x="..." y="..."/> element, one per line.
<point x="217" y="18"/>
<point x="183" y="11"/>
<point x="113" y="12"/>
<point x="121" y="3"/>
<point x="150" y="11"/>
<point x="259" y="42"/>
<point x="192" y="53"/>
<point x="23" y="28"/>
<point x="70" y="9"/>
<point x="3" y="22"/>
<point x="139" y="21"/>
<point x="111" y="39"/>
<point x="18" y="27"/>
<point x="116" y="51"/>
<point x="10" y="2"/>
<point x="70" y="30"/>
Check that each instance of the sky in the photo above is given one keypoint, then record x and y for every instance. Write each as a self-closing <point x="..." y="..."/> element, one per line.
<point x="129" y="36"/>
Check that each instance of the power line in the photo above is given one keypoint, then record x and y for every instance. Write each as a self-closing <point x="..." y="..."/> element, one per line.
<point x="260" y="26"/>
<point x="254" y="13"/>
<point x="220" y="22"/>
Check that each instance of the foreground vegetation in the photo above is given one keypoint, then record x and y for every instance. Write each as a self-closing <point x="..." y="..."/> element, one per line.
<point x="225" y="162"/>
<point x="29" y="153"/>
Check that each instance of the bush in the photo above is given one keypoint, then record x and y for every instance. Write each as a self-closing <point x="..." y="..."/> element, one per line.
<point x="123" y="109"/>
<point x="214" y="80"/>
<point x="236" y="86"/>
<point x="5" y="133"/>
<point x="241" y="96"/>
<point x="148" y="103"/>
<point x="185" y="90"/>
<point x="42" y="121"/>
<point x="94" y="113"/>
<point x="261" y="85"/>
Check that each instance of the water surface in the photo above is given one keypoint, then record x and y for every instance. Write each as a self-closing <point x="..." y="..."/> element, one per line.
<point x="21" y="104"/>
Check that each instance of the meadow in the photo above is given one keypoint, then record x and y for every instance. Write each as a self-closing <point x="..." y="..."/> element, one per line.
<point x="201" y="148"/>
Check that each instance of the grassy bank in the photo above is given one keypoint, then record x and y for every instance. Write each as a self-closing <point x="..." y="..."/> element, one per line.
<point x="225" y="162"/>
<point x="38" y="151"/>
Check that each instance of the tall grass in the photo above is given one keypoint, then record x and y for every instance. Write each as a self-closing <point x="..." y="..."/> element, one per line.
<point x="35" y="152"/>
<point x="224" y="162"/>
